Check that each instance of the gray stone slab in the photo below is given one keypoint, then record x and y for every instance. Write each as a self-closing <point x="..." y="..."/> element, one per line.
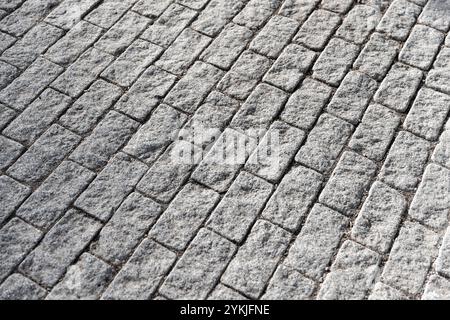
<point x="18" y="287"/>
<point x="12" y="194"/>
<point x="399" y="19"/>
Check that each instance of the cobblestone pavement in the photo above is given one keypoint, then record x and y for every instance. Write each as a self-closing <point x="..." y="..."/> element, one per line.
<point x="112" y="114"/>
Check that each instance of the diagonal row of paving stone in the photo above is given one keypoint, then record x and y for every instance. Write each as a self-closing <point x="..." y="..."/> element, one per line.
<point x="114" y="115"/>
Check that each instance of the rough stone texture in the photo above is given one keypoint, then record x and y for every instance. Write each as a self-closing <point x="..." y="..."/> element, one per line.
<point x="443" y="260"/>
<point x="441" y="153"/>
<point x="257" y="259"/>
<point x="9" y="152"/>
<point x="398" y="88"/>
<point x="347" y="184"/>
<point x="256" y="12"/>
<point x="298" y="9"/>
<point x="352" y="274"/>
<point x="294" y="196"/>
<point x="325" y="142"/>
<point x="222" y="292"/>
<point x="18" y="287"/>
<point x="200" y="267"/>
<point x="85" y="280"/>
<point x="436" y="14"/>
<point x="399" y="19"/>
<point x="240" y="206"/>
<point x="317" y="242"/>
<point x="380" y="217"/>
<point x="437" y="288"/>
<point x="431" y="203"/>
<point x="12" y="194"/>
<point x="337" y="6"/>
<point x="410" y="258"/>
<point x="359" y="23"/>
<point x="405" y="162"/>
<point x="382" y="291"/>
<point x="68" y="13"/>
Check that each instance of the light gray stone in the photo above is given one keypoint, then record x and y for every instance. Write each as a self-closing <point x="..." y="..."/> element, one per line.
<point x="240" y="207"/>
<point x="10" y="150"/>
<point x="200" y="267"/>
<point x="141" y="275"/>
<point x="44" y="155"/>
<point x="105" y="194"/>
<point x="405" y="162"/>
<point x="380" y="217"/>
<point x="6" y="41"/>
<point x="109" y="12"/>
<point x="317" y="242"/>
<point x="325" y="142"/>
<point x="437" y="288"/>
<point x="288" y="284"/>
<point x="222" y="292"/>
<point x="194" y="4"/>
<point x="6" y="115"/>
<point x="352" y="274"/>
<point x="151" y="8"/>
<point x="298" y="9"/>
<point x="180" y="222"/>
<point x="7" y="74"/>
<point x="48" y="262"/>
<point x="411" y="257"/>
<point x="348" y="183"/>
<point x="436" y="14"/>
<point x="294" y="196"/>
<point x="51" y="200"/>
<point x="126" y="228"/>
<point x="12" y="194"/>
<point x="382" y="291"/>
<point x="18" y="287"/>
<point x="337" y="6"/>
<point x="84" y="280"/>
<point x="257" y="258"/>
<point x="399" y="19"/>
<point x="256" y="13"/>
<point x="443" y="260"/>
<point x="441" y="153"/>
<point x="69" y="12"/>
<point x="359" y="23"/>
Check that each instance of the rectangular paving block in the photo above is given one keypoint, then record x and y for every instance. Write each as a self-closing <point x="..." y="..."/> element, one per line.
<point x="375" y="133"/>
<point x="39" y="115"/>
<point x="151" y="8"/>
<point x="216" y="15"/>
<point x="334" y="61"/>
<point x="26" y="87"/>
<point x="17" y="287"/>
<point x="443" y="260"/>
<point x="317" y="30"/>
<point x="183" y="51"/>
<point x="17" y="239"/>
<point x="7" y="74"/>
<point x="437" y="288"/>
<point x="106" y="139"/>
<point x="400" y="169"/>
<point x="288" y="284"/>
<point x="352" y="274"/>
<point x="377" y="56"/>
<point x="25" y="17"/>
<point x="275" y="35"/>
<point x="10" y="150"/>
<point x="54" y="196"/>
<point x="436" y="14"/>
<point x="105" y="194"/>
<point x="190" y="91"/>
<point x="169" y="25"/>
<point x="348" y="183"/>
<point x="421" y="47"/>
<point x="31" y="45"/>
<point x="260" y="109"/>
<point x="48" y="262"/>
<point x="439" y="79"/>
<point x="411" y="257"/>
<point x="126" y="228"/>
<point x="85" y="280"/>
<point x="317" y="242"/>
<point x="431" y="203"/>
<point x="275" y="151"/>
<point x="293" y="198"/>
<point x="170" y="171"/>
<point x="141" y="275"/>
<point x="10" y="4"/>
<point x="399" y="87"/>
<point x="382" y="291"/>
<point x="180" y="222"/>
<point x="399" y="18"/>
<point x="441" y="153"/>
<point x="380" y="217"/>
<point x="123" y="33"/>
<point x="69" y="12"/>
<point x="6" y="41"/>
<point x="150" y="141"/>
<point x="222" y="292"/>
<point x="305" y="104"/>
<point x="257" y="258"/>
<point x="194" y="4"/>
<point x="428" y="114"/>
<point x="146" y="93"/>
<point x="210" y="119"/>
<point x="359" y="23"/>
<point x="135" y="59"/>
<point x="82" y="72"/>
<point x="12" y="194"/>
<point x="87" y="110"/>
<point x="200" y="267"/>
<point x="256" y="13"/>
<point x="228" y="45"/>
<point x="244" y="75"/>
<point x="298" y="9"/>
<point x="107" y="13"/>
<point x="44" y="155"/>
<point x="290" y="67"/>
<point x="240" y="206"/>
<point x="352" y="97"/>
<point x="74" y="43"/>
<point x="337" y="6"/>
<point x="6" y="115"/>
<point x="222" y="163"/>
<point x="324" y="143"/>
